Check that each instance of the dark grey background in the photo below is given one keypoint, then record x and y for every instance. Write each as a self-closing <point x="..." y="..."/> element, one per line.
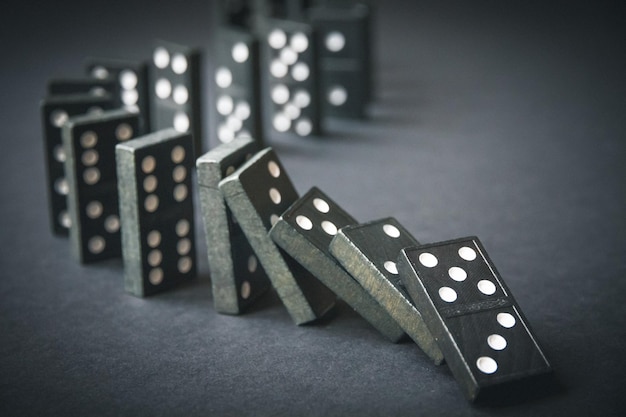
<point x="501" y="119"/>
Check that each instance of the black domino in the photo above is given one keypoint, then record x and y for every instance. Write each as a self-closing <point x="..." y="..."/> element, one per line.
<point x="176" y="90"/>
<point x="55" y="111"/>
<point x="156" y="211"/>
<point x="73" y="86"/>
<point x="478" y="324"/>
<point x="368" y="252"/>
<point x="237" y="278"/>
<point x="257" y="193"/>
<point x="305" y="231"/>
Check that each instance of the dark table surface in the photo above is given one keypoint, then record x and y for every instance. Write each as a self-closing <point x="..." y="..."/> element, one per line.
<point x="504" y="120"/>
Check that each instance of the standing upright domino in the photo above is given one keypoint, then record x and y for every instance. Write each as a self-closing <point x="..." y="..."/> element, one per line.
<point x="95" y="87"/>
<point x="237" y="278"/>
<point x="368" y="252"/>
<point x="305" y="231"/>
<point x="176" y="96"/>
<point x="55" y="111"/>
<point x="478" y="324"/>
<point x="156" y="211"/>
<point x="89" y="142"/>
<point x="257" y="193"/>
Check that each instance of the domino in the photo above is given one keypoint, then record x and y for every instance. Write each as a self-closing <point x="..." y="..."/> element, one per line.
<point x="257" y="193"/>
<point x="55" y="111"/>
<point x="72" y="86"/>
<point x="176" y="101"/>
<point x="305" y="231"/>
<point x="471" y="312"/>
<point x="237" y="86"/>
<point x="368" y="252"/>
<point x="343" y="53"/>
<point x="156" y="211"/>
<point x="89" y="142"/>
<point x="237" y="278"/>
<point x="291" y="100"/>
<point x="132" y="83"/>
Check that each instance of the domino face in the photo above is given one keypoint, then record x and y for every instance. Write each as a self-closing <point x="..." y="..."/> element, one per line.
<point x="305" y="231"/>
<point x="55" y="111"/>
<point x="132" y="83"/>
<point x="343" y="51"/>
<point x="257" y="193"/>
<point x="479" y="326"/>
<point x="156" y="211"/>
<point x="237" y="278"/>
<point x="176" y="90"/>
<point x="90" y="141"/>
<point x="369" y="252"/>
<point x="291" y="95"/>
<point x="237" y="86"/>
<point x="72" y="86"/>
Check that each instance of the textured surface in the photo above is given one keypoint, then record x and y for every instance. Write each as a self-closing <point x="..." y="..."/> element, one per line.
<point x="498" y="119"/>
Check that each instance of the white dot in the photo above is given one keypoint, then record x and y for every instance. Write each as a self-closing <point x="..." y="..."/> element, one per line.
<point x="94" y="209"/>
<point x="428" y="260"/>
<point x="223" y="77"/>
<point x="280" y="94"/>
<point x="245" y="290"/>
<point x="128" y="79"/>
<point x="161" y="57"/>
<point x="252" y="264"/>
<point x="163" y="88"/>
<point x="95" y="110"/>
<point x="225" y="105"/>
<point x="182" y="227"/>
<point x="58" y="117"/>
<point x="97" y="91"/>
<point x="61" y="186"/>
<point x="178" y="154"/>
<point x="467" y="253"/>
<point x="179" y="64"/>
<point x="64" y="219"/>
<point x="288" y="56"/>
<point x="155" y="257"/>
<point x="486" y="287"/>
<point x="240" y="52"/>
<point x="391" y="231"/>
<point x="96" y="244"/>
<point x="181" y="94"/>
<point x="123" y="132"/>
<point x="337" y="95"/>
<point x="184" y="264"/>
<point x="299" y="42"/>
<point x="100" y="72"/>
<point x="506" y="320"/>
<point x="88" y="139"/>
<point x="281" y="122"/>
<point x="391" y="267"/>
<point x="304" y="127"/>
<point x="130" y="97"/>
<point x="496" y="342"/>
<point x="112" y="223"/>
<point x="151" y="203"/>
<point x="278" y="69"/>
<point x="275" y="195"/>
<point x="457" y="274"/>
<point x="447" y="294"/>
<point x="229" y="171"/>
<point x="277" y="39"/>
<point x="224" y="134"/>
<point x="91" y="176"/>
<point x="155" y="276"/>
<point x="242" y="110"/>
<point x="183" y="247"/>
<point x="59" y="153"/>
<point x="233" y="123"/>
<point x="150" y="183"/>
<point x="274" y="219"/>
<point x="335" y="41"/>
<point x="274" y="169"/>
<point x="321" y="205"/>
<point x="154" y="238"/>
<point x="486" y="365"/>
<point x="90" y="157"/>
<point x="302" y="98"/>
<point x="148" y="164"/>
<point x="179" y="173"/>
<point x="329" y="227"/>
<point x="180" y="192"/>
<point x="181" y="121"/>
<point x="300" y="71"/>
<point x="304" y="222"/>
<point x="292" y="111"/>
